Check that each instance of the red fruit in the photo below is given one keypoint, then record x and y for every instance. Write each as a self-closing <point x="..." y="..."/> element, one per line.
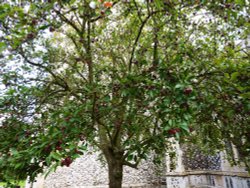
<point x="67" y="119"/>
<point x="59" y="148"/>
<point x="227" y="5"/>
<point x="47" y="149"/>
<point x="191" y="129"/>
<point x="102" y="12"/>
<point x="77" y="151"/>
<point x="172" y="131"/>
<point x="59" y="143"/>
<point x="66" y="162"/>
<point x="34" y="22"/>
<point x="188" y="90"/>
<point x="27" y="133"/>
<point x="30" y="36"/>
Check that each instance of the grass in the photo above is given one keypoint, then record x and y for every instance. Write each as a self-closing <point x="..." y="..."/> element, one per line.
<point x="21" y="183"/>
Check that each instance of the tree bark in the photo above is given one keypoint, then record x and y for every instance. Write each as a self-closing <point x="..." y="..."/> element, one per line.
<point x="115" y="168"/>
<point x="115" y="174"/>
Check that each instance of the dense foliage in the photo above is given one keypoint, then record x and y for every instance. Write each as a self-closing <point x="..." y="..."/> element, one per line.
<point x="122" y="77"/>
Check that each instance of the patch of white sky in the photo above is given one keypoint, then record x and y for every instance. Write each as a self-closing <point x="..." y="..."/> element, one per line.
<point x="15" y="63"/>
<point x="203" y="17"/>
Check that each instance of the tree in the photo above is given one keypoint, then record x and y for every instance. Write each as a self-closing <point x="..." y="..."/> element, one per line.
<point x="121" y="76"/>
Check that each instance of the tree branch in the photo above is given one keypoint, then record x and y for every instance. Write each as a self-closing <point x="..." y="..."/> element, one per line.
<point x="136" y="41"/>
<point x="132" y="165"/>
<point x="65" y="85"/>
<point x="138" y="37"/>
<point x="66" y="20"/>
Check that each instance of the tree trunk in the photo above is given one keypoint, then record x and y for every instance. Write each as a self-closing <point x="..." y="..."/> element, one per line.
<point x="115" y="168"/>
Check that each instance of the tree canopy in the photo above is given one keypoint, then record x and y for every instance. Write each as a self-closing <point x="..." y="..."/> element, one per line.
<point x="123" y="77"/>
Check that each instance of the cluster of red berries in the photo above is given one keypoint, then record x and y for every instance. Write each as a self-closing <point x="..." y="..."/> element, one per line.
<point x="58" y="145"/>
<point x="66" y="162"/>
<point x="174" y="131"/>
<point x="188" y="91"/>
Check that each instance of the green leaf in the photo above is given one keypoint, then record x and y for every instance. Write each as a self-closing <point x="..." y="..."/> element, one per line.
<point x="130" y="157"/>
<point x="55" y="155"/>
<point x="171" y="122"/>
<point x="184" y="126"/>
<point x="245" y="95"/>
<point x="18" y="165"/>
<point x="240" y="2"/>
<point x="234" y="75"/>
<point x="178" y="86"/>
<point x="48" y="160"/>
<point x="44" y="27"/>
<point x="159" y="3"/>
<point x="52" y="169"/>
<point x="2" y="46"/>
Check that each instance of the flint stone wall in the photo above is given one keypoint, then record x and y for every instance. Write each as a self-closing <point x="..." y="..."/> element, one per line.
<point x="89" y="171"/>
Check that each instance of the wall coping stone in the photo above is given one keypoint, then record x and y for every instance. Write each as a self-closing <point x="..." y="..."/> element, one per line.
<point x="208" y="172"/>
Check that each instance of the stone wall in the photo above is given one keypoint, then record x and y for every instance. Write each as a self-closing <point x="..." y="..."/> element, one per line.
<point x="89" y="171"/>
<point x="203" y="171"/>
<point x="206" y="179"/>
